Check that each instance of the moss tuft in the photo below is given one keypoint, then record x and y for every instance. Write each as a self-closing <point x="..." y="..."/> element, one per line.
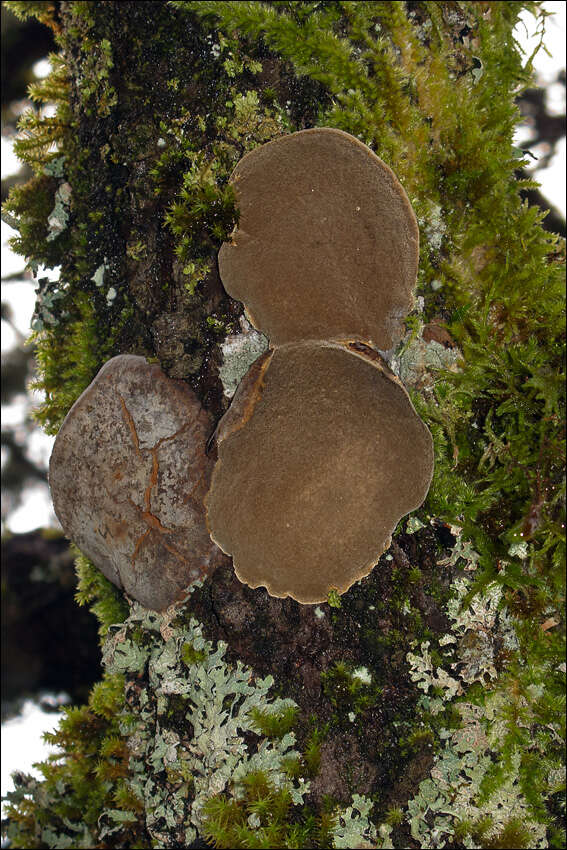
<point x="85" y="775"/>
<point x="105" y="600"/>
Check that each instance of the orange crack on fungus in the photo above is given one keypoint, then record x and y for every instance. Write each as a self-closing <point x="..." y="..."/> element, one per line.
<point x="130" y="423"/>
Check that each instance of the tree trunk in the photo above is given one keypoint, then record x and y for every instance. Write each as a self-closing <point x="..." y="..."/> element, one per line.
<point x="238" y="717"/>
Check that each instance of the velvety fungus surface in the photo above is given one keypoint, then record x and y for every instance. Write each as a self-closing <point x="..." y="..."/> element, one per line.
<point x="327" y="242"/>
<point x="128" y="475"/>
<point x="319" y="457"/>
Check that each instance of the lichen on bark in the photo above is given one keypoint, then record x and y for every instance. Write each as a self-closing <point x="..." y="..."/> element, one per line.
<point x="156" y="103"/>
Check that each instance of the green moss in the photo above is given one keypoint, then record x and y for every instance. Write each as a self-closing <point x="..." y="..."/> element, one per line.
<point x="394" y="816"/>
<point x="218" y="326"/>
<point x="514" y="834"/>
<point x="105" y="600"/>
<point x="275" y="724"/>
<point x="203" y="206"/>
<point x="28" y="209"/>
<point x="95" y="89"/>
<point x="418" y="740"/>
<point x="86" y="774"/>
<point x="556" y="837"/>
<point x="414" y="575"/>
<point x="333" y="599"/>
<point x="312" y="749"/>
<point x="42" y="10"/>
<point x="261" y="817"/>
<point x="462" y="829"/>
<point x="68" y="358"/>
<point x="190" y="655"/>
<point x="348" y="691"/>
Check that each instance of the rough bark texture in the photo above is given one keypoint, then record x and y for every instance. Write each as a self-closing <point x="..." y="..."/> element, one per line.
<point x="157" y="102"/>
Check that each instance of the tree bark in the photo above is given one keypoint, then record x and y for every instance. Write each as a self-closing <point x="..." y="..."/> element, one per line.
<point x="160" y="102"/>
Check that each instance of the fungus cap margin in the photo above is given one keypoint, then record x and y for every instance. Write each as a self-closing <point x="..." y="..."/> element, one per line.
<point x="327" y="242"/>
<point x="306" y="496"/>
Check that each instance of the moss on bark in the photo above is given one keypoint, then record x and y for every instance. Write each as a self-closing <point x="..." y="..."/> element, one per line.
<point x="156" y="102"/>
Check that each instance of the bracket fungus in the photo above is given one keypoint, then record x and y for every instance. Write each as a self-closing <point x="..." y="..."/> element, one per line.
<point x="321" y="452"/>
<point x="327" y="242"/>
<point x="320" y="455"/>
<point x="128" y="475"/>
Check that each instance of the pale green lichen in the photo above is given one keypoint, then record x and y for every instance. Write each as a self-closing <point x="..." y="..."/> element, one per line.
<point x="482" y="628"/>
<point x="434" y="227"/>
<point x="59" y="216"/>
<point x="461" y="551"/>
<point x="239" y="352"/>
<point x="479" y="628"/>
<point x="418" y="363"/>
<point x="363" y="675"/>
<point x="55" y="167"/>
<point x="413" y="524"/>
<point x="424" y="673"/>
<point x="98" y="276"/>
<point x="82" y="837"/>
<point x="48" y="299"/>
<point x="192" y="712"/>
<point x="98" y="280"/>
<point x="451" y="795"/>
<point x="518" y="550"/>
<point x="202" y="751"/>
<point x="451" y="802"/>
<point x="354" y="828"/>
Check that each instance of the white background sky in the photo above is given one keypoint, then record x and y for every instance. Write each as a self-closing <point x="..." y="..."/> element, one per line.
<point x="21" y="737"/>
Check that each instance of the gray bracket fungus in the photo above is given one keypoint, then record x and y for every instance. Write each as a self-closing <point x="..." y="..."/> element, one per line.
<point x="128" y="475"/>
<point x="319" y="456"/>
<point x="327" y="242"/>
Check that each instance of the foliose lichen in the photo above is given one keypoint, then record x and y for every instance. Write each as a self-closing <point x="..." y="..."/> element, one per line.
<point x="191" y="722"/>
<point x="454" y="802"/>
<point x="239" y="352"/>
<point x="432" y="87"/>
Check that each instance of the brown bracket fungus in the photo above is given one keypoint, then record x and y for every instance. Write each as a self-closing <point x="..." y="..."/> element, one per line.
<point x="128" y="475"/>
<point x="327" y="242"/>
<point x="319" y="457"/>
<point x="321" y="452"/>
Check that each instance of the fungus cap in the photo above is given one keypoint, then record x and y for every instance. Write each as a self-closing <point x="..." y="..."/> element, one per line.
<point x="327" y="242"/>
<point x="320" y="456"/>
<point x="128" y="475"/>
